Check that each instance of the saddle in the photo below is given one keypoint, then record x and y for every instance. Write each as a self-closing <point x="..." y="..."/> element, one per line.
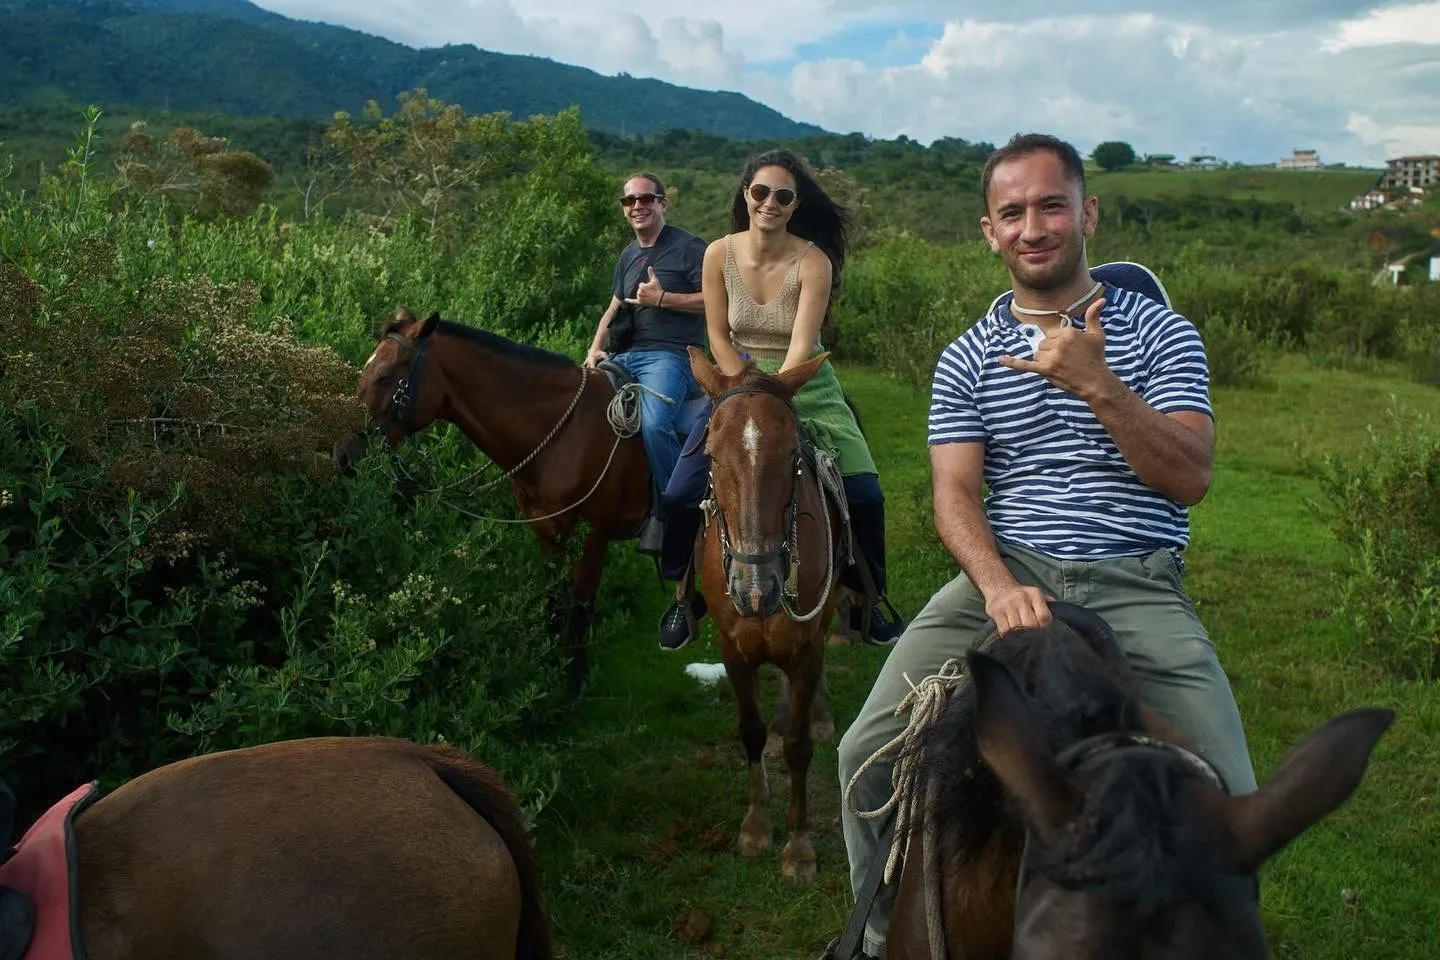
<point x="43" y="867"/>
<point x="690" y="408"/>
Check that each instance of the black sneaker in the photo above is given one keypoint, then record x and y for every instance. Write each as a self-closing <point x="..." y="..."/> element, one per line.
<point x="883" y="633"/>
<point x="679" y="626"/>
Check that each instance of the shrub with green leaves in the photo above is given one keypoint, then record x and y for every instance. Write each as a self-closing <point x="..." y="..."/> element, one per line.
<point x="180" y="567"/>
<point x="1384" y="506"/>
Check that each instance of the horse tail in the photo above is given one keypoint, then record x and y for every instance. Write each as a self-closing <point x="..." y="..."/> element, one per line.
<point x="487" y="795"/>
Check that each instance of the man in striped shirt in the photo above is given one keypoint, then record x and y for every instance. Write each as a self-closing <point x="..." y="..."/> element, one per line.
<point x="1085" y="408"/>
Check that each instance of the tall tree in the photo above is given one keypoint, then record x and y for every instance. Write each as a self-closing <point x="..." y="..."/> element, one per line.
<point x="1113" y="155"/>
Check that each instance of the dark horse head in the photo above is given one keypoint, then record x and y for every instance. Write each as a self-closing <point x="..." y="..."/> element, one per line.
<point x="753" y="441"/>
<point x="1132" y="846"/>
<point x="391" y="385"/>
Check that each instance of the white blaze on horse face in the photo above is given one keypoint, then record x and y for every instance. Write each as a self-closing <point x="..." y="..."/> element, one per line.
<point x="751" y="437"/>
<point x="371" y="360"/>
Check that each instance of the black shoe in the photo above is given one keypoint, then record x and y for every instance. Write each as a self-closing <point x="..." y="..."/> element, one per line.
<point x="882" y="633"/>
<point x="679" y="626"/>
<point x="17" y="923"/>
<point x="652" y="536"/>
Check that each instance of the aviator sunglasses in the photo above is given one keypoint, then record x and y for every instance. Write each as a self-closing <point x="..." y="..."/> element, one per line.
<point x="784" y="196"/>
<point x="644" y="199"/>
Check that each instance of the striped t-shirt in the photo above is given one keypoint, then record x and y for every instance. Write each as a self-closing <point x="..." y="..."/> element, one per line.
<point x="1058" y="484"/>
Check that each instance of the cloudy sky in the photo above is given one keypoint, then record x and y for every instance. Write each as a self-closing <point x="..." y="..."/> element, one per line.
<point x="1249" y="80"/>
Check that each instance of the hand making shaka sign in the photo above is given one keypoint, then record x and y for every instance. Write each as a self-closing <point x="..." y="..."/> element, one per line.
<point x="1072" y="359"/>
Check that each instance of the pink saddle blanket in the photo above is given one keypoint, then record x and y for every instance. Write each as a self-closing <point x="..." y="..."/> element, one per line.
<point x="44" y="868"/>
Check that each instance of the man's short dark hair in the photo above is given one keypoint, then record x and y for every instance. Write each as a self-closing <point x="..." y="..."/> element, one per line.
<point x="1024" y="144"/>
<point x="645" y="175"/>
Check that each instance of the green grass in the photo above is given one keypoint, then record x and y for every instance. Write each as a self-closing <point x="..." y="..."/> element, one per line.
<point x="644" y="826"/>
<point x="1314" y="191"/>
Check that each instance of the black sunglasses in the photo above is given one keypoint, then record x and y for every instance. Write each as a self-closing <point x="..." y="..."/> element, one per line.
<point x="644" y="199"/>
<point x="784" y="196"/>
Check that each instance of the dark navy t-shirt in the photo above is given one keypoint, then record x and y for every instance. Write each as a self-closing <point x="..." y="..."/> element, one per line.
<point x="678" y="257"/>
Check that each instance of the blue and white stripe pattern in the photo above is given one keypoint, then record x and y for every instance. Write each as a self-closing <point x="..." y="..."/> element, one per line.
<point x="1058" y="484"/>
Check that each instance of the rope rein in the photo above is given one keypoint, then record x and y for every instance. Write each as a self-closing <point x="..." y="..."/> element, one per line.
<point x="925" y="702"/>
<point x="622" y="414"/>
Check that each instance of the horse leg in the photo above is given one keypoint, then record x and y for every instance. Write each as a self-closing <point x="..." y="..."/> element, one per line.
<point x="779" y="719"/>
<point x="755" y="830"/>
<point x="585" y="581"/>
<point x="798" y="860"/>
<point x="822" y="722"/>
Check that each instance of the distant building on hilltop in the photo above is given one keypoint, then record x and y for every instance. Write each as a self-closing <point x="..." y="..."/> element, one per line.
<point x="1300" y="160"/>
<point x="1405" y="173"/>
<point x="1203" y="161"/>
<point x="1373" y="200"/>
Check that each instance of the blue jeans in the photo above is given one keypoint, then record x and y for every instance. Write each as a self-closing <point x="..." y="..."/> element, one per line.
<point x="667" y="373"/>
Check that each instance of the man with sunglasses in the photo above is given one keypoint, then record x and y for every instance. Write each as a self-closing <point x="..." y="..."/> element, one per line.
<point x="656" y="312"/>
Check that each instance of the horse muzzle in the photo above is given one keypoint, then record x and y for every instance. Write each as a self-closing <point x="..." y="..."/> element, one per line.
<point x="756" y="590"/>
<point x="350" y="452"/>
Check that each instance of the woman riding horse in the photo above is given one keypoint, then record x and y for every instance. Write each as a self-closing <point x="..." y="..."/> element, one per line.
<point x="767" y="289"/>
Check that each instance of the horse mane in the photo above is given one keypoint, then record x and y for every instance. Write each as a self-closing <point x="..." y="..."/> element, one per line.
<point x="524" y="352"/>
<point x="753" y="378"/>
<point x="1125" y="841"/>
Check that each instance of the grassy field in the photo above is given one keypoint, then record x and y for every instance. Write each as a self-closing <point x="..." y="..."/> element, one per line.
<point x="642" y="832"/>
<point x="1312" y="191"/>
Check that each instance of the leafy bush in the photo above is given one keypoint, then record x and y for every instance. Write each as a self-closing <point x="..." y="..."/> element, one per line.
<point x="1384" y="506"/>
<point x="180" y="569"/>
<point x="903" y="299"/>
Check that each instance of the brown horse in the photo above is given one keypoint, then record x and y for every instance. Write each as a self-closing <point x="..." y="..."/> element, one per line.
<point x="1129" y="844"/>
<point x="362" y="848"/>
<point x="535" y="414"/>
<point x="767" y="579"/>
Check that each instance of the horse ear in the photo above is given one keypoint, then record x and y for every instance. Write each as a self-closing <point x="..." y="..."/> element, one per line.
<point x="429" y="327"/>
<point x="797" y="377"/>
<point x="711" y="380"/>
<point x="1316" y="777"/>
<point x="1012" y="745"/>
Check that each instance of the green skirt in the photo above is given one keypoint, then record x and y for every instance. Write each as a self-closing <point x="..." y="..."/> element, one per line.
<point x="828" y="419"/>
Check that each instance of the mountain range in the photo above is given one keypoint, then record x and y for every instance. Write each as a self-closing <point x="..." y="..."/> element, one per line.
<point x="233" y="57"/>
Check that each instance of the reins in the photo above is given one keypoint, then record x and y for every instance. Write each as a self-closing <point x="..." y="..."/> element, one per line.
<point x="788" y="551"/>
<point x="622" y="414"/>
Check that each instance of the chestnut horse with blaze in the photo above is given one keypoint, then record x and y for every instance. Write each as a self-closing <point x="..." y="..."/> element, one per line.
<point x="767" y="579"/>
<point x="365" y="848"/>
<point x="538" y="416"/>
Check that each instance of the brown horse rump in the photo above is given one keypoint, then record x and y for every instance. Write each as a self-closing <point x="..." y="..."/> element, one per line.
<point x="43" y="868"/>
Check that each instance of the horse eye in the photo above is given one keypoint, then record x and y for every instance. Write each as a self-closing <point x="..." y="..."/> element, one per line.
<point x="385" y="378"/>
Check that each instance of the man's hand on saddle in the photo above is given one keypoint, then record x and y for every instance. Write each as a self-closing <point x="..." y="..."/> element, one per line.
<point x="594" y="356"/>
<point x="1071" y="359"/>
<point x="1018" y="606"/>
<point x="649" y="293"/>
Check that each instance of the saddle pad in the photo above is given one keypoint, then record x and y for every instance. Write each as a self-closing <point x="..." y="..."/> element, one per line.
<point x="44" y="869"/>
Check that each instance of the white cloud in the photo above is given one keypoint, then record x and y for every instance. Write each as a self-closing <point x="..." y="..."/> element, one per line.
<point x="1413" y="23"/>
<point x="1249" y="80"/>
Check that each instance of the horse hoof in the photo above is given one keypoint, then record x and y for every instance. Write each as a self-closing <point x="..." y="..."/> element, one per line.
<point x="822" y="729"/>
<point x="799" y="872"/>
<point x="754" y="843"/>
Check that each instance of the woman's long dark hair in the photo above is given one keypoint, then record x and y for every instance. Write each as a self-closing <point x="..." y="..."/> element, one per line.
<point x="817" y="218"/>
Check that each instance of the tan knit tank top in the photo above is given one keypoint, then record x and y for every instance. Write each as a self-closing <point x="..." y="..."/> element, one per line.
<point x="763" y="330"/>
